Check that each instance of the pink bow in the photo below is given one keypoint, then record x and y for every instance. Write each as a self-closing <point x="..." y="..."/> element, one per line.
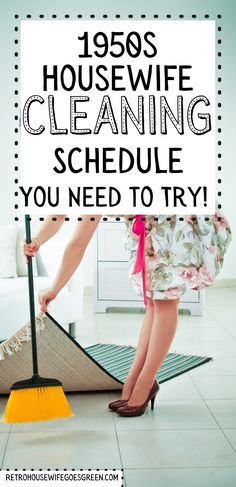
<point x="139" y="229"/>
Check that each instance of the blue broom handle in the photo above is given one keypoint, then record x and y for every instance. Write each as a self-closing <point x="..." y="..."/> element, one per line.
<point x="31" y="299"/>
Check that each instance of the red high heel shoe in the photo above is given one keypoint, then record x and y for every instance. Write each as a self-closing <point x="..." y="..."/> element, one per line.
<point x="127" y="410"/>
<point x="116" y="404"/>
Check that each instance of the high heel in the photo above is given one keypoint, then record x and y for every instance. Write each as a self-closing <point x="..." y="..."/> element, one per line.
<point x="152" y="401"/>
<point x="127" y="410"/>
<point x="116" y="404"/>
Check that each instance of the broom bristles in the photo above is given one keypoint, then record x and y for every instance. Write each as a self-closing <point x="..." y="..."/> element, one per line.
<point x="36" y="404"/>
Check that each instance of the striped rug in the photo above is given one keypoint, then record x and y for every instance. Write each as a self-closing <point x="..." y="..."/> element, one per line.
<point x="102" y="366"/>
<point x="117" y="359"/>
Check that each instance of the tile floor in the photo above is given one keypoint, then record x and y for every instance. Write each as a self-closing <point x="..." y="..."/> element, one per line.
<point x="189" y="440"/>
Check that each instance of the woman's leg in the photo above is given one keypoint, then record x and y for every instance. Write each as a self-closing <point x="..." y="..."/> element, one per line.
<point x="163" y="330"/>
<point x="141" y="351"/>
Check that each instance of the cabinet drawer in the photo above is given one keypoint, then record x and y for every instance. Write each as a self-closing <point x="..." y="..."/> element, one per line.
<point x="190" y="296"/>
<point x="114" y="284"/>
<point x="110" y="241"/>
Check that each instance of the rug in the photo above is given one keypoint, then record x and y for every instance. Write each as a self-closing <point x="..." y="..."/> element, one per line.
<point x="117" y="360"/>
<point x="96" y="367"/>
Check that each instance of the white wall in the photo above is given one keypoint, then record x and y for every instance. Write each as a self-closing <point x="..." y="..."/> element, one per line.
<point x="7" y="162"/>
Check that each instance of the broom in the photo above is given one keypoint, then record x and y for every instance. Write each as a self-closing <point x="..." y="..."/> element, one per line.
<point x="37" y="398"/>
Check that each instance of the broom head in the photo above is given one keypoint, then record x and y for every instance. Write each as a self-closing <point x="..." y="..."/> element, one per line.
<point x="39" y="399"/>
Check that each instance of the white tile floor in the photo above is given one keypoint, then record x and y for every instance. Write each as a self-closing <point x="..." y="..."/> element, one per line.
<point x="189" y="440"/>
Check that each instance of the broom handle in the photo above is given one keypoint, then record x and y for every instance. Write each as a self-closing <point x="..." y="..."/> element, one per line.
<point x="31" y="299"/>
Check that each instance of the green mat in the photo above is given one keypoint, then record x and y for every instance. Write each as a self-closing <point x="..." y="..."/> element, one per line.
<point x="117" y="360"/>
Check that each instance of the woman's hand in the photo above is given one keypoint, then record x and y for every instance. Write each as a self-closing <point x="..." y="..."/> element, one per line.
<point x="31" y="248"/>
<point x="45" y="296"/>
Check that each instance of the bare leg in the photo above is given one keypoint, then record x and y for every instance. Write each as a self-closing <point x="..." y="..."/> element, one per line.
<point x="163" y="331"/>
<point x="141" y="351"/>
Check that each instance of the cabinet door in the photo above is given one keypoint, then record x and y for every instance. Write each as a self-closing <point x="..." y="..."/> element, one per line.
<point x="112" y="280"/>
<point x="190" y="296"/>
<point x="110" y="241"/>
<point x="114" y="284"/>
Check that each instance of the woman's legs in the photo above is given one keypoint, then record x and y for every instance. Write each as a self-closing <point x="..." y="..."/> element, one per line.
<point x="162" y="333"/>
<point x="141" y="351"/>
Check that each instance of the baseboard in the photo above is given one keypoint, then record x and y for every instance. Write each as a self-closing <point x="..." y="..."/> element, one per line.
<point x="224" y="283"/>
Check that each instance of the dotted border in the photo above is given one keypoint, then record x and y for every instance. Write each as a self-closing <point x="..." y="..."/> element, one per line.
<point x="118" y="219"/>
<point x="16" y="111"/>
<point x="219" y="105"/>
<point x="118" y="16"/>
<point x="65" y="470"/>
<point x="61" y="469"/>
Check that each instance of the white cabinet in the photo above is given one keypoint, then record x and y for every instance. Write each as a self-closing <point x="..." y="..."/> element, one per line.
<point x="113" y="288"/>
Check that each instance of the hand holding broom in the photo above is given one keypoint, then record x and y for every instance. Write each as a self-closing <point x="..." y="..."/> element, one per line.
<point x="31" y="248"/>
<point x="37" y="398"/>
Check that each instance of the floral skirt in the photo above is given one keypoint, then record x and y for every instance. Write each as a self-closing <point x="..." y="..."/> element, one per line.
<point x="181" y="252"/>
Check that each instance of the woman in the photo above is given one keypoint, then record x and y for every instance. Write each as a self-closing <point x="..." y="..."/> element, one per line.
<point x="168" y="255"/>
